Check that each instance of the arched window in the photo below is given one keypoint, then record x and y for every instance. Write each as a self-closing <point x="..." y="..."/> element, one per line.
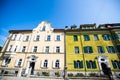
<point x="78" y="64"/>
<point x="57" y="64"/>
<point x="46" y="63"/>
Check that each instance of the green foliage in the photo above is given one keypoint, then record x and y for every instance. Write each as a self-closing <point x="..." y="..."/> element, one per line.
<point x="57" y="74"/>
<point x="93" y="75"/>
<point x="6" y="72"/>
<point x="38" y="73"/>
<point x="79" y="75"/>
<point x="45" y="73"/>
<point x="70" y="74"/>
<point x="0" y="48"/>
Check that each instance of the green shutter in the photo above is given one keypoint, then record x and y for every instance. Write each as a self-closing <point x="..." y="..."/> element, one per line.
<point x="94" y="64"/>
<point x="103" y="37"/>
<point x="81" y="64"/>
<point x="88" y="37"/>
<point x="103" y="51"/>
<point x="115" y="49"/>
<point x="88" y="64"/>
<point x="91" y="50"/>
<point x="75" y="64"/>
<point x="84" y="38"/>
<point x="108" y="49"/>
<point x="85" y="49"/>
<point x="119" y="64"/>
<point x="114" y="65"/>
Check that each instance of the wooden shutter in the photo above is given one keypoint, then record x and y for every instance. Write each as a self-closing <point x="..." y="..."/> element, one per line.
<point x="48" y="64"/>
<point x="88" y="64"/>
<point x="8" y="48"/>
<point x="114" y="65"/>
<point x="42" y="63"/>
<point x="75" y="64"/>
<point x="3" y="62"/>
<point x="94" y="64"/>
<point x="81" y="64"/>
<point x="60" y="62"/>
<point x="16" y="62"/>
<point x="91" y="50"/>
<point x="53" y="63"/>
<point x="22" y="63"/>
<point x="34" y="38"/>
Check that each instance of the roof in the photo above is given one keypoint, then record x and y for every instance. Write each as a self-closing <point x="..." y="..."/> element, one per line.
<point x="17" y="31"/>
<point x="112" y="24"/>
<point x="84" y="25"/>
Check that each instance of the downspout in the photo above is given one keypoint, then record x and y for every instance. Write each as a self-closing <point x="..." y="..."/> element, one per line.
<point x="65" y="67"/>
<point x="83" y="52"/>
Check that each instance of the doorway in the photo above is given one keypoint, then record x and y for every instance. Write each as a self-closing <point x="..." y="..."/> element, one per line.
<point x="32" y="65"/>
<point x="104" y="68"/>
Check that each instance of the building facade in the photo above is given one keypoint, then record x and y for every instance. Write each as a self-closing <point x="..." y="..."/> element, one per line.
<point x="45" y="51"/>
<point x="31" y="52"/>
<point x="93" y="50"/>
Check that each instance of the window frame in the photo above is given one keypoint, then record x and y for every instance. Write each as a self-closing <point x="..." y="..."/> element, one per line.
<point x="75" y="37"/>
<point x="76" y="49"/>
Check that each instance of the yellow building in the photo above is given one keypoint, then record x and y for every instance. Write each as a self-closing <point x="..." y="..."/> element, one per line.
<point x="93" y="50"/>
<point x="34" y="52"/>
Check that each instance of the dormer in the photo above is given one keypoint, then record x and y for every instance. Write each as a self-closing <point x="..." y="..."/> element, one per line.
<point x="44" y="26"/>
<point x="88" y="26"/>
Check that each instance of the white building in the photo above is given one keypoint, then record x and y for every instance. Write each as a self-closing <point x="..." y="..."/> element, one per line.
<point x="37" y="51"/>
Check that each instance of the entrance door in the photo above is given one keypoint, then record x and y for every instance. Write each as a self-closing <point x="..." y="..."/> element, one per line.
<point x="104" y="68"/>
<point x="32" y="64"/>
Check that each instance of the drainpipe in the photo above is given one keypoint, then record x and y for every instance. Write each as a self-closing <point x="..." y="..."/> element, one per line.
<point x="83" y="53"/>
<point x="65" y="67"/>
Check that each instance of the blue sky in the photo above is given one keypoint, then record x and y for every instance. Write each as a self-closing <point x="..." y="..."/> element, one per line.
<point x="27" y="14"/>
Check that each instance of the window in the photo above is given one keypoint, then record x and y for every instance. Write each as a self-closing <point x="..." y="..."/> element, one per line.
<point x="26" y="38"/>
<point x="76" y="49"/>
<point x="58" y="49"/>
<point x="35" y="49"/>
<point x="91" y="64"/>
<point x="57" y="64"/>
<point x="118" y="35"/>
<point x="78" y="64"/>
<point x="14" y="36"/>
<point x="9" y="48"/>
<point x="45" y="64"/>
<point x="100" y="49"/>
<point x="47" y="49"/>
<point x="88" y="49"/>
<point x="15" y="48"/>
<point x="96" y="37"/>
<point x="43" y="28"/>
<point x="24" y="48"/>
<point x="86" y="37"/>
<point x="116" y="64"/>
<point x="18" y="62"/>
<point x="75" y="38"/>
<point x="111" y="49"/>
<point x="106" y="36"/>
<point x="19" y="38"/>
<point x="114" y="36"/>
<point x="58" y="38"/>
<point x="48" y="38"/>
<point x="118" y="48"/>
<point x="37" y="38"/>
<point x="6" y="61"/>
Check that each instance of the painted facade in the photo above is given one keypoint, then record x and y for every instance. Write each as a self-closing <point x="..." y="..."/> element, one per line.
<point x="93" y="50"/>
<point x="46" y="51"/>
<point x="37" y="51"/>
